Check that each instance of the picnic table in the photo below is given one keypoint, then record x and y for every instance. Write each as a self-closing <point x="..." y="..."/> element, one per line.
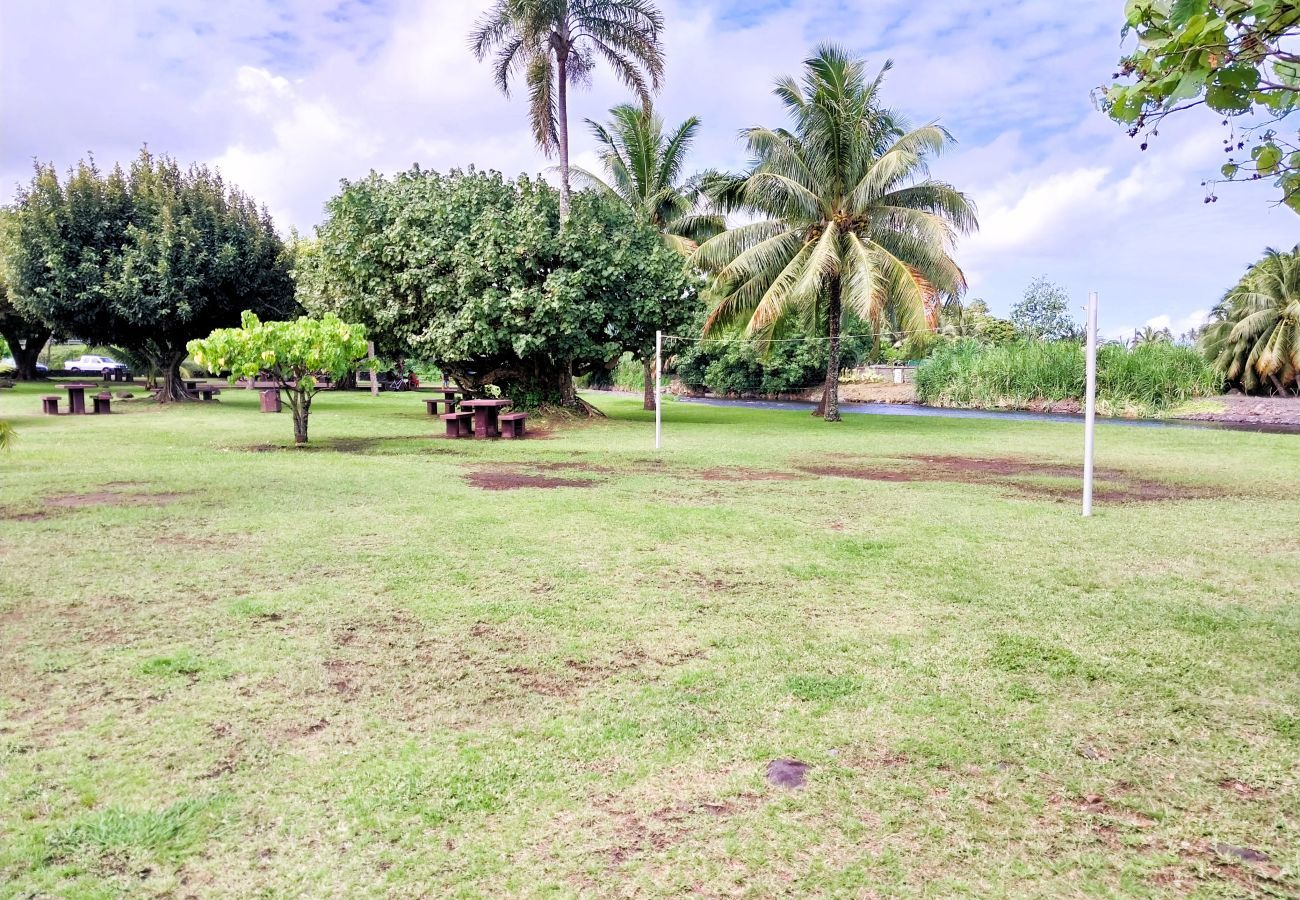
<point x="485" y="416"/>
<point x="450" y="397"/>
<point x="77" y="396"/>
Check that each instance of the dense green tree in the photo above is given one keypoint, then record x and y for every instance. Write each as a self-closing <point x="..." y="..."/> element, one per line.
<point x="973" y="320"/>
<point x="645" y="168"/>
<point x="555" y="44"/>
<point x="23" y="335"/>
<point x="474" y="273"/>
<point x="848" y="220"/>
<point x="1044" y="312"/>
<point x="1237" y="58"/>
<point x="145" y="258"/>
<point x="299" y="356"/>
<point x="1253" y="336"/>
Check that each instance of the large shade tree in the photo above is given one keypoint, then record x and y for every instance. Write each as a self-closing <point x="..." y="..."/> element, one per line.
<point x="645" y="166"/>
<point x="474" y="273"/>
<point x="555" y="45"/>
<point x="849" y="222"/>
<point x="145" y="258"/>
<point x="1253" y="337"/>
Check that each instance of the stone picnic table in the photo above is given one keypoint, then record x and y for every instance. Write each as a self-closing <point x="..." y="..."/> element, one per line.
<point x="485" y="416"/>
<point x="77" y="395"/>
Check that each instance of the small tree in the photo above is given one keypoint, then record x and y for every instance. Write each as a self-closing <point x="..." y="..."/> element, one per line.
<point x="1044" y="312"/>
<point x="23" y="334"/>
<point x="295" y="355"/>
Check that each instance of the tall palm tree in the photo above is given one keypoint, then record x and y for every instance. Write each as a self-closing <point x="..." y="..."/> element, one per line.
<point x="555" y="44"/>
<point x="1253" y="337"/>
<point x="850" y="220"/>
<point x="645" y="166"/>
<point x="1149" y="335"/>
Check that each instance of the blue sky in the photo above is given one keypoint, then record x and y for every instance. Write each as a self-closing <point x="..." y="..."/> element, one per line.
<point x="288" y="97"/>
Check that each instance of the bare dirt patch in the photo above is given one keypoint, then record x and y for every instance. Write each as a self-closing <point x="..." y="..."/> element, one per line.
<point x="744" y="474"/>
<point x="1018" y="475"/>
<point x="56" y="503"/>
<point x="504" y="479"/>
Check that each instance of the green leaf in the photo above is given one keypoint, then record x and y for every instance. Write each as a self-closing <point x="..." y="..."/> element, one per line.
<point x="1266" y="156"/>
<point x="1229" y="170"/>
<point x="1184" y="10"/>
<point x="1226" y="100"/>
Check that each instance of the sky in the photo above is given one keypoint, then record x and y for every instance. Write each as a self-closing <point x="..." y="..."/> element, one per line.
<point x="288" y="97"/>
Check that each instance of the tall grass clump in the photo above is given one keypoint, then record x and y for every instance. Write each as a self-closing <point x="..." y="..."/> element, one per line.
<point x="1146" y="380"/>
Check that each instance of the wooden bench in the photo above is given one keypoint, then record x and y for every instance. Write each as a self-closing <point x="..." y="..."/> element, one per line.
<point x="102" y="402"/>
<point x="207" y="392"/>
<point x="459" y="424"/>
<point x="50" y="405"/>
<point x="432" y="405"/>
<point x="512" y="424"/>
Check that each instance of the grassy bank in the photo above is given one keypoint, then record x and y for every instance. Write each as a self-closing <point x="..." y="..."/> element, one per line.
<point x="228" y="668"/>
<point x="1144" y="381"/>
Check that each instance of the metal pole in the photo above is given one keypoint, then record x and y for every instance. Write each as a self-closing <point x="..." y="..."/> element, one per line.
<point x="1090" y="415"/>
<point x="659" y="421"/>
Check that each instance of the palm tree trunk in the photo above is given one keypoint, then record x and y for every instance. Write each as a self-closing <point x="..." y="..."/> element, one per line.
<point x="562" y="110"/>
<point x="831" y="396"/>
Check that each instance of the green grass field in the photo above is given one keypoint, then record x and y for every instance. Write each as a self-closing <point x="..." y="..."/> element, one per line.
<point x="229" y="668"/>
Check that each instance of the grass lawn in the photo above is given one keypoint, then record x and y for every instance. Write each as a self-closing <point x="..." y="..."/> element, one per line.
<point x="228" y="668"/>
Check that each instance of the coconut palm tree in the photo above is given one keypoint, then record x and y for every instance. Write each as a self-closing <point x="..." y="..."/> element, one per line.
<point x="555" y="44"/>
<point x="1253" y="337"/>
<point x="1149" y="335"/>
<point x="849" y="220"/>
<point x="644" y="165"/>
<point x="645" y="168"/>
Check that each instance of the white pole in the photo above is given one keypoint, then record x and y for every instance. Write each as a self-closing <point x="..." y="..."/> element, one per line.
<point x="1090" y="415"/>
<point x="659" y="421"/>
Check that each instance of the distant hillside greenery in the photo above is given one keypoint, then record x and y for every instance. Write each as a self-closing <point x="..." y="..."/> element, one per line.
<point x="1144" y="380"/>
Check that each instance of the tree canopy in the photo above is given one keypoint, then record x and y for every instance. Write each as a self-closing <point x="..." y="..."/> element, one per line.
<point x="145" y="258"/>
<point x="1239" y="59"/>
<point x="474" y="273"/>
<point x="1044" y="312"/>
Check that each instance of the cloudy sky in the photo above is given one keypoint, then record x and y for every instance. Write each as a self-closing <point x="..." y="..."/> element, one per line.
<point x="288" y="97"/>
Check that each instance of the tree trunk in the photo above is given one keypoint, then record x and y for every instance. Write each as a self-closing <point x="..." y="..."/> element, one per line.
<point x="300" y="406"/>
<point x="172" y="388"/>
<point x="648" y="397"/>
<point x="562" y="111"/>
<point x="25" y="360"/>
<point x="832" y="394"/>
<point x="1277" y="384"/>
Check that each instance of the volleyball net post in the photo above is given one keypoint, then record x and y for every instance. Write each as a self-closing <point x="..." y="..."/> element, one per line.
<point x="1090" y="407"/>
<point x="659" y="366"/>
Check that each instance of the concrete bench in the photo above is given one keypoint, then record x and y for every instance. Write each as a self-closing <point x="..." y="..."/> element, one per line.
<point x="207" y="393"/>
<point x="459" y="424"/>
<point x="102" y="403"/>
<point x="512" y="424"/>
<point x="50" y="405"/>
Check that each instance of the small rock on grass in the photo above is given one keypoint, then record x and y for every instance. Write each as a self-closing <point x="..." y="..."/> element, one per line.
<point x="787" y="773"/>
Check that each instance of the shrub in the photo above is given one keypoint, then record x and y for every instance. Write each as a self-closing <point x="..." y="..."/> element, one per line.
<point x="1147" y="379"/>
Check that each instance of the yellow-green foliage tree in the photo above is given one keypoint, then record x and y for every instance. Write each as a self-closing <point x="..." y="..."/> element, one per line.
<point x="298" y="356"/>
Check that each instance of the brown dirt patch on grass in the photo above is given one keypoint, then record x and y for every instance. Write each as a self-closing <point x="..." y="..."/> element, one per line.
<point x="508" y="479"/>
<point x="1025" y="477"/>
<point x="736" y="473"/>
<point x="55" y="503"/>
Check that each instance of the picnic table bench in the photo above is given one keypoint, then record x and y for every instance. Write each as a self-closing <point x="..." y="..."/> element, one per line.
<point x="450" y="398"/>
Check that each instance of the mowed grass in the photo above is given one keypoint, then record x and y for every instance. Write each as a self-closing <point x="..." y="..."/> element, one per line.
<point x="228" y="668"/>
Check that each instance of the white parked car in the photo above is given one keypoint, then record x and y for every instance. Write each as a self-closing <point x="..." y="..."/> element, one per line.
<point x="90" y="363"/>
<point x="8" y="365"/>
